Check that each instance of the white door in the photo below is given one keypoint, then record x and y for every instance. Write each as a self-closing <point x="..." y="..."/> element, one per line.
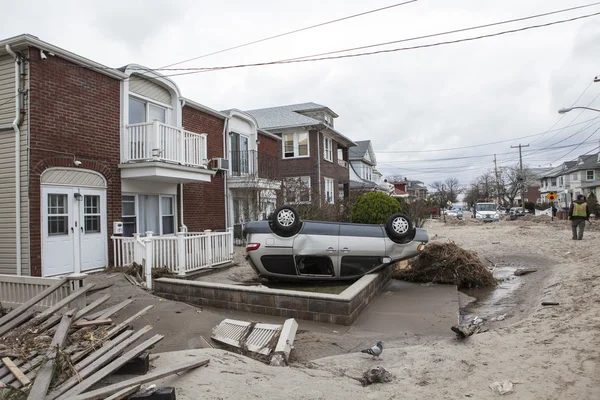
<point x="58" y="233"/>
<point x="74" y="237"/>
<point x="92" y="229"/>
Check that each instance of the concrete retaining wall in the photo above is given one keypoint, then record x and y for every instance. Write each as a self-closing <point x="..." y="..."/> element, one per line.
<point x="340" y="309"/>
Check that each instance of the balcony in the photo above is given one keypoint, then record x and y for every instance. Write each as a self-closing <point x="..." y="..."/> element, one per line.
<point x="156" y="151"/>
<point x="251" y="169"/>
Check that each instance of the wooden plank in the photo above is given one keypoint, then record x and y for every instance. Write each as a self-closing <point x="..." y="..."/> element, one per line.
<point x="102" y="286"/>
<point x="123" y="394"/>
<point x="96" y="361"/>
<point x="94" y="322"/>
<point x="49" y="323"/>
<point x="15" y="323"/>
<point x="129" y="320"/>
<point x="16" y="371"/>
<point x="152" y="376"/>
<point x="86" y="384"/>
<point x="88" y="309"/>
<point x="26" y="368"/>
<point x="51" y="310"/>
<point x="32" y="302"/>
<point x="100" y="352"/>
<point x="108" y="312"/>
<point x="4" y="371"/>
<point x="46" y="372"/>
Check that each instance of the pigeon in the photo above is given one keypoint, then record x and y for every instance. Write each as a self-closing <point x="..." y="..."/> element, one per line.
<point x="375" y="351"/>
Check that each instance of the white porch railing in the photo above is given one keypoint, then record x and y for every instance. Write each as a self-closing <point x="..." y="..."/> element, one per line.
<point x="16" y="290"/>
<point x="180" y="254"/>
<point x="155" y="141"/>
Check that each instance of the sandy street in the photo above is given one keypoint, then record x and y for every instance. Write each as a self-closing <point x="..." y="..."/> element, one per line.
<point x="546" y="352"/>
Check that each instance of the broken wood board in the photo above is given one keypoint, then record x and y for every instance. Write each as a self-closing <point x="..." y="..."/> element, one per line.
<point x="46" y="372"/>
<point x="16" y="371"/>
<point x="31" y="302"/>
<point x="109" y="312"/>
<point x="102" y="393"/>
<point x="525" y="271"/>
<point x="94" y="322"/>
<point x="88" y="309"/>
<point x="86" y="384"/>
<point x="123" y="394"/>
<point x="15" y="323"/>
<point x="98" y="359"/>
<point x="70" y="298"/>
<point x="255" y="337"/>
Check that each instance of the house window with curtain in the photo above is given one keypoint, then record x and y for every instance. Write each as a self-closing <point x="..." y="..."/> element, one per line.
<point x="328" y="149"/>
<point x="148" y="213"/>
<point x="295" y="145"/>
<point x="589" y="175"/>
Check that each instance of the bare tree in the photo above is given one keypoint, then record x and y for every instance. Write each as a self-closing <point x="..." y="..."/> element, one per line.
<point x="511" y="182"/>
<point x="446" y="191"/>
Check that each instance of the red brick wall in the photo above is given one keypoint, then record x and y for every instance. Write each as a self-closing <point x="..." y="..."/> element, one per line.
<point x="73" y="110"/>
<point x="204" y="203"/>
<point x="269" y="145"/>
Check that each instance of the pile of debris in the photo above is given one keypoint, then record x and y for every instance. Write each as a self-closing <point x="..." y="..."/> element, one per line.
<point x="447" y="263"/>
<point x="63" y="353"/>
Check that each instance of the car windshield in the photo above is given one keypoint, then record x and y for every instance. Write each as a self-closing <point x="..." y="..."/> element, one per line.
<point x="486" y="207"/>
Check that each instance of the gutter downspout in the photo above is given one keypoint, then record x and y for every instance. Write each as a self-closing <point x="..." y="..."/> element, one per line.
<point x="19" y="68"/>
<point x="226" y="192"/>
<point x="319" y="166"/>
<point x="183" y="227"/>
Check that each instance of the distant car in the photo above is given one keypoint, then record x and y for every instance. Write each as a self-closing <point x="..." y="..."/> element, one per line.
<point x="455" y="213"/>
<point x="287" y="248"/>
<point x="486" y="212"/>
<point x="518" y="211"/>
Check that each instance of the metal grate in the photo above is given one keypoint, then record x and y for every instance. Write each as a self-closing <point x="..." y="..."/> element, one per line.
<point x="258" y="338"/>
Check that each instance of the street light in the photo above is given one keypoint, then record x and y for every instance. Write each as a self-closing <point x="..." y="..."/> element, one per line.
<point x="566" y="110"/>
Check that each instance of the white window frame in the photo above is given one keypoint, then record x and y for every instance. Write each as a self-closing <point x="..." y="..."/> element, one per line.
<point x="575" y="176"/>
<point x="160" y="213"/>
<point x="587" y="174"/>
<point x="296" y="145"/>
<point x="329" y="190"/>
<point x="327" y="149"/>
<point x="148" y="102"/>
<point x="308" y="183"/>
<point x="561" y="181"/>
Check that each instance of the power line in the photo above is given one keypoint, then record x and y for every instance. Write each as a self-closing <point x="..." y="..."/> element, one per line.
<point x="436" y="44"/>
<point x="294" y="31"/>
<point x="476" y="145"/>
<point x="572" y="150"/>
<point x="563" y="115"/>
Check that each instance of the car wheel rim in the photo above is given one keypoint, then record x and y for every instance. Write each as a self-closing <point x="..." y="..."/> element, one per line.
<point x="400" y="225"/>
<point x="286" y="218"/>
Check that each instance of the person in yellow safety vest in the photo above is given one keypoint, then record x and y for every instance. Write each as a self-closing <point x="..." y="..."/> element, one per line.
<point x="578" y="214"/>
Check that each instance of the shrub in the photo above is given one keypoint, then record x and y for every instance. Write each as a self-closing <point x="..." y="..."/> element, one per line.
<point x="374" y="208"/>
<point x="592" y="202"/>
<point x="530" y="206"/>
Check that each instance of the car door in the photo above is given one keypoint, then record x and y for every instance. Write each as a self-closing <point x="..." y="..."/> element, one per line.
<point x="362" y="248"/>
<point x="316" y="249"/>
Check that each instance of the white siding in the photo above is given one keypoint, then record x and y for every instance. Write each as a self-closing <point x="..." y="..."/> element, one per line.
<point x="7" y="89"/>
<point x="149" y="89"/>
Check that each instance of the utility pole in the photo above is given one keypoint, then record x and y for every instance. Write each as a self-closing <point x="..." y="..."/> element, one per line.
<point x="497" y="182"/>
<point x="521" y="177"/>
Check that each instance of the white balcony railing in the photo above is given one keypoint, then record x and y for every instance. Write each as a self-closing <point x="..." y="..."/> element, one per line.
<point x="180" y="254"/>
<point x="155" y="141"/>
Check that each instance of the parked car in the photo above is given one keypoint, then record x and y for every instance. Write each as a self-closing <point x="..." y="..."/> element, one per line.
<point x="287" y="248"/>
<point x="455" y="213"/>
<point x="486" y="212"/>
<point x="517" y="211"/>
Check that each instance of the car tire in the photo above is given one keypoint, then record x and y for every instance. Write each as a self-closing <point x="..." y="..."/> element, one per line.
<point x="286" y="220"/>
<point x="399" y="226"/>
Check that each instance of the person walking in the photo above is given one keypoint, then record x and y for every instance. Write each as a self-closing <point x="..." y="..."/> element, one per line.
<point x="578" y="214"/>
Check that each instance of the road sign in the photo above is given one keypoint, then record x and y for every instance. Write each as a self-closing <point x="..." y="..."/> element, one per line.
<point x="551" y="196"/>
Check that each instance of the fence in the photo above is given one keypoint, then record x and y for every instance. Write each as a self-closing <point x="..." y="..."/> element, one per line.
<point x="180" y="254"/>
<point x="16" y="290"/>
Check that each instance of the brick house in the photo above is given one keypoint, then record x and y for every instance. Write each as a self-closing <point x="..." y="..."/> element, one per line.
<point x="85" y="146"/>
<point x="314" y="156"/>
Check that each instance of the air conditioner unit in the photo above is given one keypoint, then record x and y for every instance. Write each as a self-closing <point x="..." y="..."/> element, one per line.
<point x="220" y="164"/>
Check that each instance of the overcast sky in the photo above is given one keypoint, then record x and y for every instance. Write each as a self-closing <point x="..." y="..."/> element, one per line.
<point x="435" y="98"/>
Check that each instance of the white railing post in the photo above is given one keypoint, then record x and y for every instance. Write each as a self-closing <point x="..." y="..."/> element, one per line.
<point x="155" y="147"/>
<point x="209" y="249"/>
<point x="148" y="257"/>
<point x="181" y="253"/>
<point x="230" y="243"/>
<point x="203" y="149"/>
<point x="183" y="157"/>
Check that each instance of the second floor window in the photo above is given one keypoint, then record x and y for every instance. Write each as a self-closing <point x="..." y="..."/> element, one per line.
<point x="574" y="176"/>
<point x="589" y="175"/>
<point x="141" y="111"/>
<point x="240" y="155"/>
<point x="328" y="149"/>
<point x="553" y="182"/>
<point x="561" y="181"/>
<point x="295" y="145"/>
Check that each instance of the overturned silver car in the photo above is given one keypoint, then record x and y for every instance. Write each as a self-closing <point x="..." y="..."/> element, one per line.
<point x="287" y="248"/>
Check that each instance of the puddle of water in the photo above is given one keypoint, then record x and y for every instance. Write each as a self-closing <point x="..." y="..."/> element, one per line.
<point x="492" y="302"/>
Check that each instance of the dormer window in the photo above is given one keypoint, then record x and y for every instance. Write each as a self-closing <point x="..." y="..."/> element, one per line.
<point x="580" y="161"/>
<point x="328" y="119"/>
